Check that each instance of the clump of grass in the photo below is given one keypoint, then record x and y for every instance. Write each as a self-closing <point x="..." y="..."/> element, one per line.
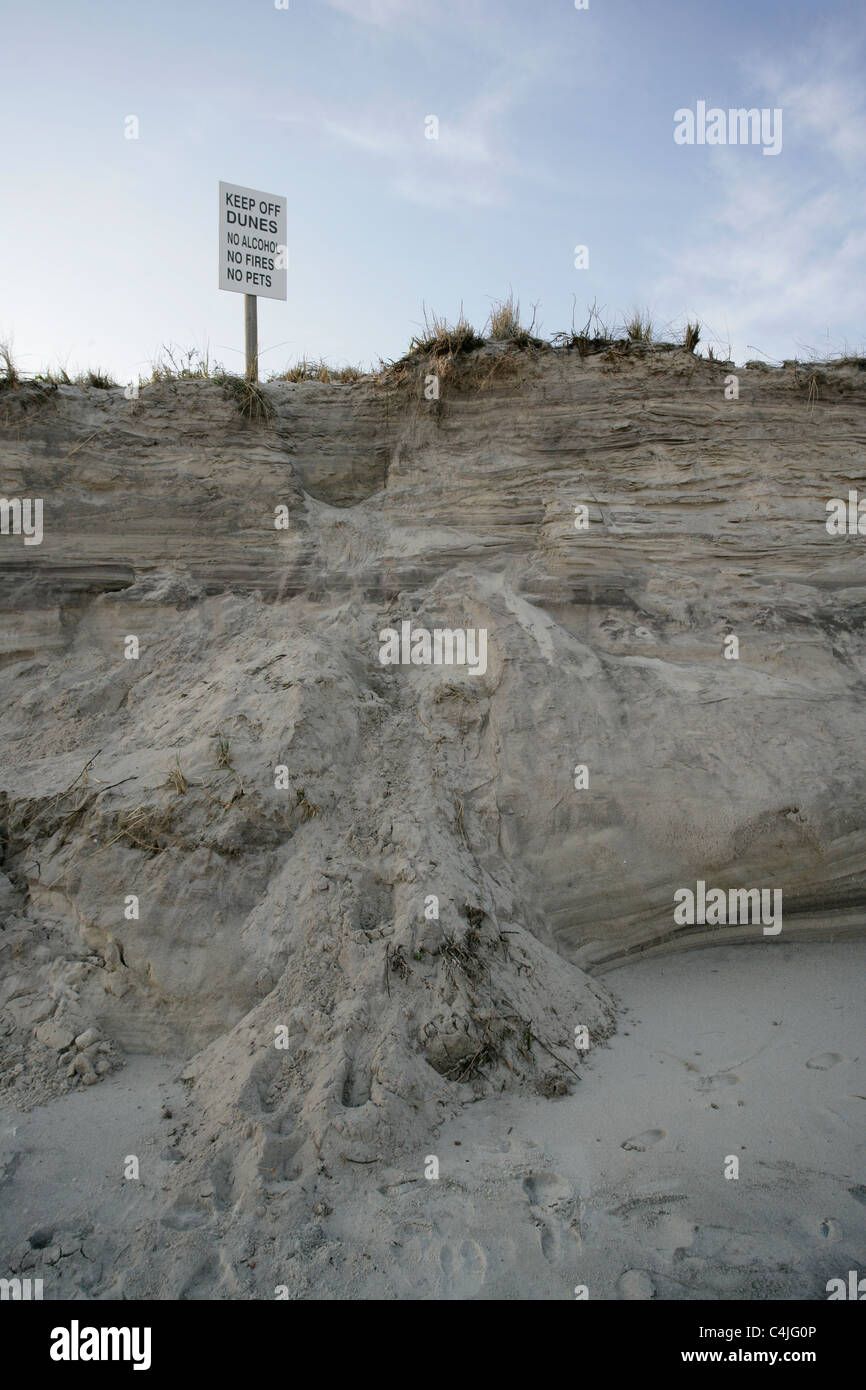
<point x="102" y="381"/>
<point x="723" y="357"/>
<point x="639" y="327"/>
<point x="248" y="396"/>
<point x="55" y="376"/>
<point x="11" y="378"/>
<point x="441" y="339"/>
<point x="317" y="370"/>
<point x="175" y="365"/>
<point x="693" y="336"/>
<point x="504" y="322"/>
<point x="177" y="780"/>
<point x="595" y="336"/>
<point x="505" y="325"/>
<point x="59" y="376"/>
<point x="446" y="350"/>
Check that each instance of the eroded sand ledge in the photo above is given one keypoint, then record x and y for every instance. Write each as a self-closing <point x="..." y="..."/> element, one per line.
<point x="302" y="906"/>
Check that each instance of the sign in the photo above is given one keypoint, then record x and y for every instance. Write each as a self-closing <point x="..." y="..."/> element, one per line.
<point x="253" y="251"/>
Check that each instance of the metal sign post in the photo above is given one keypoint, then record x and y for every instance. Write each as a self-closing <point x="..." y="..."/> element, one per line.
<point x="253" y="255"/>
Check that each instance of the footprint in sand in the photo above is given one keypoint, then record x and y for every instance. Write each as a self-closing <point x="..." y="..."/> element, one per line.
<point x="719" y="1081"/>
<point x="824" y="1061"/>
<point x="547" y="1189"/>
<point x="185" y="1214"/>
<point x="550" y="1242"/>
<point x="636" y="1285"/>
<point x="641" y="1142"/>
<point x="464" y="1268"/>
<point x="551" y="1197"/>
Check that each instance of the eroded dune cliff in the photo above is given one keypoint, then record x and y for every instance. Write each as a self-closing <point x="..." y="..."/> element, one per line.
<point x="350" y="895"/>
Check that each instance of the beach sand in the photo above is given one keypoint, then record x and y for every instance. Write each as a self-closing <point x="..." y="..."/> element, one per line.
<point x="751" y="1053"/>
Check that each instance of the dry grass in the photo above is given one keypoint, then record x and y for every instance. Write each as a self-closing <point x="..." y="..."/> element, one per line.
<point x="145" y="828"/>
<point x="692" y="337"/>
<point x="463" y="954"/>
<point x="443" y="340"/>
<point x="316" y="369"/>
<point x="56" y="376"/>
<point x="175" y="365"/>
<point x="594" y="337"/>
<point x="639" y="328"/>
<point x="224" y="752"/>
<point x="248" y="396"/>
<point x="11" y="378"/>
<point x="504" y="325"/>
<point x="177" y="780"/>
<point x="308" y="807"/>
<point x="102" y="381"/>
<point x="466" y="1069"/>
<point x="453" y="352"/>
<point x="96" y="378"/>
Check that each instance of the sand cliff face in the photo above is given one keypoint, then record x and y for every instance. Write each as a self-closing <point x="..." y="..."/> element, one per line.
<point x="393" y="864"/>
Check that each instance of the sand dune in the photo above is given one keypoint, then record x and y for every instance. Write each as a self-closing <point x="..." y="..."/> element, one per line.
<point x="339" y="917"/>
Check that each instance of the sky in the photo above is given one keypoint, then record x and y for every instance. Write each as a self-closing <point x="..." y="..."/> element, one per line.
<point x="555" y="130"/>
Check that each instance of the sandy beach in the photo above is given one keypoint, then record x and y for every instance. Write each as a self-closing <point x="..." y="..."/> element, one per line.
<point x="751" y="1052"/>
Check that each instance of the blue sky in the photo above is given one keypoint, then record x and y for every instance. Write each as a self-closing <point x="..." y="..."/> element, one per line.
<point x="555" y="129"/>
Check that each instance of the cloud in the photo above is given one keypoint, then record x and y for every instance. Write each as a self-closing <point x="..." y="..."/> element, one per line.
<point x="774" y="268"/>
<point x="383" y="13"/>
<point x="468" y="163"/>
<point x="773" y="260"/>
<point x="822" y="92"/>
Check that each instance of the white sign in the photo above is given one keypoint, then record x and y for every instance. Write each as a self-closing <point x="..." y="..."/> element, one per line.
<point x="253" y="251"/>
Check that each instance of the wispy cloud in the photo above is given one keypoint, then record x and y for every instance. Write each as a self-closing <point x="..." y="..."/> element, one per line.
<point x="777" y="256"/>
<point x="465" y="164"/>
<point x="470" y="162"/>
<point x="822" y="92"/>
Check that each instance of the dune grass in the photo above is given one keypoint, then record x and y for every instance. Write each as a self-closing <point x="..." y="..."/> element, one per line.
<point x="455" y="350"/>
<point x="176" y="365"/>
<point x="317" y="369"/>
<point x="504" y="324"/>
<point x="11" y="378"/>
<point x="639" y="328"/>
